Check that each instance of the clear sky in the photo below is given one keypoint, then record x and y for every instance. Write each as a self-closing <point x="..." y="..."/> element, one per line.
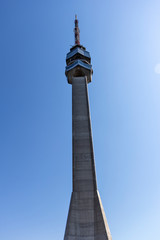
<point x="123" y="37"/>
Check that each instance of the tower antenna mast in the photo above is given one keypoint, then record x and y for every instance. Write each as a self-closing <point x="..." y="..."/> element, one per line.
<point x="76" y="32"/>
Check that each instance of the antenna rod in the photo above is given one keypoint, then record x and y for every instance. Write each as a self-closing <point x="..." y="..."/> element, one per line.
<point x="76" y="32"/>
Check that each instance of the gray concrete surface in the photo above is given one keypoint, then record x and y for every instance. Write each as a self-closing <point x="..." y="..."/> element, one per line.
<point x="86" y="217"/>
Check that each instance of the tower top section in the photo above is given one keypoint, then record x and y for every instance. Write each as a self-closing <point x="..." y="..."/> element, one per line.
<point x="78" y="60"/>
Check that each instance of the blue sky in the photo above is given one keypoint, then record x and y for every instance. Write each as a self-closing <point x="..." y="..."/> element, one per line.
<point x="123" y="38"/>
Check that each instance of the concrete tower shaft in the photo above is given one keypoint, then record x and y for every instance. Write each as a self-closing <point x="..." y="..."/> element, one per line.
<point x="86" y="217"/>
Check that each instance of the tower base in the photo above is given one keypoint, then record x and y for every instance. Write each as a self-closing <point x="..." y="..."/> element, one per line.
<point x="86" y="218"/>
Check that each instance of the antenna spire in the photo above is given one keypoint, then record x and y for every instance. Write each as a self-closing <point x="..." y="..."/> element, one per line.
<point x="76" y="32"/>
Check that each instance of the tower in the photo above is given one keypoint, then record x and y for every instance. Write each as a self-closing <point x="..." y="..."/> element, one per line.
<point x="86" y="217"/>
